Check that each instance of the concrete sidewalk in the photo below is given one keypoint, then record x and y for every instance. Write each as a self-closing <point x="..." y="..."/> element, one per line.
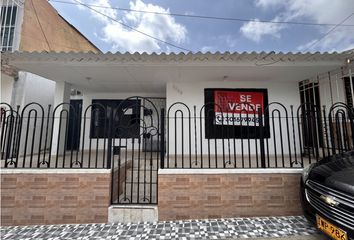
<point x="311" y="237"/>
<point x="258" y="228"/>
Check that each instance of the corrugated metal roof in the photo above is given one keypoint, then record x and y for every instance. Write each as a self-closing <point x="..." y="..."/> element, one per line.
<point x="179" y="57"/>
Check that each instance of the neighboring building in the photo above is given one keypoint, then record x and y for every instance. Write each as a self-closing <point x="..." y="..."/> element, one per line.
<point x="28" y="26"/>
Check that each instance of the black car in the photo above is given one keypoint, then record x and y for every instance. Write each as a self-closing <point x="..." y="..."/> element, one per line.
<point x="327" y="192"/>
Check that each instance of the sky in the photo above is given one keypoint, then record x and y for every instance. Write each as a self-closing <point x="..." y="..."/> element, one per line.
<point x="114" y="30"/>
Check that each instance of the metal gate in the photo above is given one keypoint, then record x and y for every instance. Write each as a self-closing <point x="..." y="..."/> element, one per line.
<point x="135" y="146"/>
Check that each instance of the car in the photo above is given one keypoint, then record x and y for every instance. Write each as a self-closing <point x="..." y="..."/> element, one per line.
<point x="327" y="195"/>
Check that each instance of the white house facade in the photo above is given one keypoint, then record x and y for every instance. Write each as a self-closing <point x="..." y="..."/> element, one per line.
<point x="164" y="126"/>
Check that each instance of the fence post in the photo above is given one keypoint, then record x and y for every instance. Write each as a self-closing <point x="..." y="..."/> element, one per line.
<point x="162" y="139"/>
<point x="325" y="132"/>
<point x="261" y="139"/>
<point x="9" y="136"/>
<point x="110" y="130"/>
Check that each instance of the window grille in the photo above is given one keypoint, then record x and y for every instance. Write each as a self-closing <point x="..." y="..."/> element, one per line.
<point x="9" y="15"/>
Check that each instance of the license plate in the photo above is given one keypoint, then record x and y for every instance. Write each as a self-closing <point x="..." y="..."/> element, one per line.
<point x="331" y="230"/>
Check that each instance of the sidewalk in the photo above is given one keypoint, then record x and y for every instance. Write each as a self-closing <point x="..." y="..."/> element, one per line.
<point x="299" y="237"/>
<point x="231" y="228"/>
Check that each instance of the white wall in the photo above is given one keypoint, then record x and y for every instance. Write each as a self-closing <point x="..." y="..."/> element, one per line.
<point x="61" y="114"/>
<point x="192" y="94"/>
<point x="31" y="88"/>
<point x="18" y="28"/>
<point x="338" y="93"/>
<point x="89" y="96"/>
<point x="38" y="89"/>
<point x="6" y="85"/>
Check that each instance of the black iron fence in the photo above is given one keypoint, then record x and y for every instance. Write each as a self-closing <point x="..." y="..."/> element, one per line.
<point x="274" y="137"/>
<point x="39" y="137"/>
<point x="135" y="137"/>
<point x="68" y="136"/>
<point x="121" y="135"/>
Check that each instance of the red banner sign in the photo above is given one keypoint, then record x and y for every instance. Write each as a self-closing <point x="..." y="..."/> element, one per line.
<point x="237" y="107"/>
<point x="238" y="102"/>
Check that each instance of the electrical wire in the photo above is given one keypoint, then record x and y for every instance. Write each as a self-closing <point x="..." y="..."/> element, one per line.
<point x="327" y="33"/>
<point x="133" y="29"/>
<point x="263" y="58"/>
<point x="310" y="46"/>
<point x="205" y="16"/>
<point x="91" y="7"/>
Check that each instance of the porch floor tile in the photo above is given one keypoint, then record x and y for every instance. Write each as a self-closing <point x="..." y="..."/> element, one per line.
<point x="230" y="228"/>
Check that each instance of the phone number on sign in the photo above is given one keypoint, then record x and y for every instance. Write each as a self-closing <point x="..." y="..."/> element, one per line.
<point x="244" y="120"/>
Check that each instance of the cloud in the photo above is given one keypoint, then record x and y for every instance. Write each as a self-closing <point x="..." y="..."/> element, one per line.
<point x="163" y="27"/>
<point x="105" y="9"/>
<point x="205" y="49"/>
<point x="338" y="40"/>
<point x="231" y="41"/>
<point x="317" y="11"/>
<point x="269" y="3"/>
<point x="256" y="30"/>
<point x="307" y="45"/>
<point x="227" y="40"/>
<point x="322" y="11"/>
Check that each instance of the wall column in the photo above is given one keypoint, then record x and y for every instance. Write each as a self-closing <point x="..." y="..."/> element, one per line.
<point x="62" y="95"/>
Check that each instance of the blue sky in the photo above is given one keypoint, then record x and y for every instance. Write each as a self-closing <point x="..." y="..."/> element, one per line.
<point x="214" y="35"/>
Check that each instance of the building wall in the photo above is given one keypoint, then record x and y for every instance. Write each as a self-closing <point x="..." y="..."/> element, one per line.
<point x="31" y="88"/>
<point x="37" y="89"/>
<point x="31" y="197"/>
<point x="222" y="195"/>
<point x="40" y="28"/>
<point x="331" y="91"/>
<point x="57" y="35"/>
<point x="6" y="85"/>
<point x="192" y="94"/>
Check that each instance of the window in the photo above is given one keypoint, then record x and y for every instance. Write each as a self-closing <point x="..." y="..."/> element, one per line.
<point x="309" y="93"/>
<point x="123" y="114"/>
<point x="349" y="91"/>
<point x="8" y="22"/>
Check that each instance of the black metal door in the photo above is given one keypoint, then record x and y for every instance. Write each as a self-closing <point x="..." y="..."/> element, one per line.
<point x="312" y="129"/>
<point x="135" y="146"/>
<point x="74" y="129"/>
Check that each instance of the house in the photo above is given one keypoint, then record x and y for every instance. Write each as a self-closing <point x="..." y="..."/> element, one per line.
<point x="171" y="136"/>
<point x="34" y="26"/>
<point x="95" y="137"/>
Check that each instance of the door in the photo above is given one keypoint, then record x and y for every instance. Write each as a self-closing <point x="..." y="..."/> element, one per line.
<point x="74" y="128"/>
<point x="312" y="132"/>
